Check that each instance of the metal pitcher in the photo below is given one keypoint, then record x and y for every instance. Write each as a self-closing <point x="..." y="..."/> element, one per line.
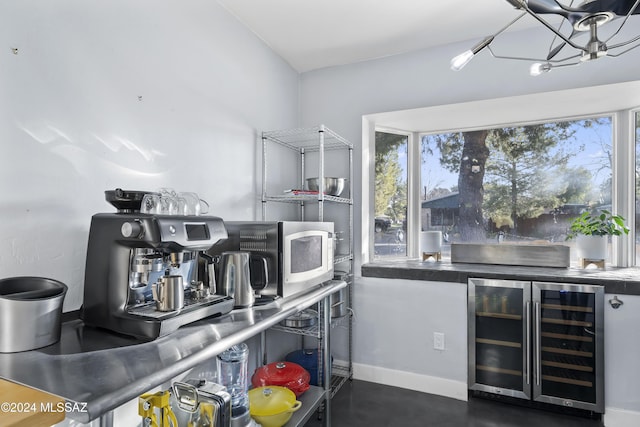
<point x="168" y="293"/>
<point x="234" y="277"/>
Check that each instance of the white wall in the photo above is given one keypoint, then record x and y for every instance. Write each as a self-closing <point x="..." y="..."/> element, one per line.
<point x="133" y="94"/>
<point x="621" y="346"/>
<point x="393" y="334"/>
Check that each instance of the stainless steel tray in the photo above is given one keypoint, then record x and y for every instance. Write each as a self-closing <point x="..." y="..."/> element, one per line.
<point x="511" y="254"/>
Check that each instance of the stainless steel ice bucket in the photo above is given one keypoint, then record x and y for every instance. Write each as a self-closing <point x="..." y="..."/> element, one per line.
<point x="30" y="312"/>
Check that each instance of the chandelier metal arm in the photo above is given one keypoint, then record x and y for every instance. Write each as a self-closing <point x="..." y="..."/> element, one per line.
<point x="522" y="58"/>
<point x="625" y="51"/>
<point x="549" y="26"/>
<point x="624" y="21"/>
<point x="560" y="45"/>
<point x="615" y="46"/>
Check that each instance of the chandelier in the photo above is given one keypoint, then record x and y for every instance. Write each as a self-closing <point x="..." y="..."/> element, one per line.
<point x="575" y="38"/>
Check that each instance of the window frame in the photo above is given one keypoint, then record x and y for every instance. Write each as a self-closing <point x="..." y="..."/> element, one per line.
<point x="622" y="112"/>
<point x="413" y="185"/>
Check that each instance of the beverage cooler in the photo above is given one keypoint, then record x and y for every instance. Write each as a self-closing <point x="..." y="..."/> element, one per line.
<point x="537" y="341"/>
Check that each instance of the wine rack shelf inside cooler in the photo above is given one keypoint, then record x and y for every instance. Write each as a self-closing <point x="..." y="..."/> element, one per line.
<point x="566" y="362"/>
<point x="566" y="336"/>
<point x="495" y="370"/>
<point x="567" y="380"/>
<point x="567" y="322"/>
<point x="567" y="308"/>
<point x="499" y="342"/>
<point x="499" y="315"/>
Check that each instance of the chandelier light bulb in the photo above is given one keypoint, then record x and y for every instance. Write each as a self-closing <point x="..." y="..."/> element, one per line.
<point x="539" y="68"/>
<point x="458" y="62"/>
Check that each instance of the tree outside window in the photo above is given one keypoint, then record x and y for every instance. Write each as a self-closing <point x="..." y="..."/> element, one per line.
<point x="520" y="183"/>
<point x="390" y="195"/>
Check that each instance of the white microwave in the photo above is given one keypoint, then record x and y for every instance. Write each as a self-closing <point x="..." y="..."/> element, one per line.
<point x="298" y="254"/>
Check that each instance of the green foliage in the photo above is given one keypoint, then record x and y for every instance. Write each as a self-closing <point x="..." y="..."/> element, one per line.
<point x="390" y="187"/>
<point x="525" y="164"/>
<point x="605" y="224"/>
<point x="527" y="170"/>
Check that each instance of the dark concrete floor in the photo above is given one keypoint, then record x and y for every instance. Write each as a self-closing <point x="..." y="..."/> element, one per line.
<point x="365" y="404"/>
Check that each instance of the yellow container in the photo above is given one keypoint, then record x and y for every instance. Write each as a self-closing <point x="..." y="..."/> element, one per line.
<point x="272" y="406"/>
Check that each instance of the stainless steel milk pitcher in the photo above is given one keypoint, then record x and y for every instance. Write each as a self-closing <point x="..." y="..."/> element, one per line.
<point x="168" y="293"/>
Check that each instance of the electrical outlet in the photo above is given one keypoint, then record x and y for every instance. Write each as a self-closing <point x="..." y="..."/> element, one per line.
<point x="438" y="340"/>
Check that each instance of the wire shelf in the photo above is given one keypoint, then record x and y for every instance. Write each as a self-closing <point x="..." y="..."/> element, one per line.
<point x="342" y="320"/>
<point x="307" y="138"/>
<point x="314" y="331"/>
<point x="311" y="331"/>
<point x="307" y="198"/>
<point x="339" y="376"/>
<point x="317" y="140"/>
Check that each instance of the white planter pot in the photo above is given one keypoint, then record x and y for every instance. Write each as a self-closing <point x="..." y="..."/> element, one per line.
<point x="431" y="241"/>
<point x="592" y="247"/>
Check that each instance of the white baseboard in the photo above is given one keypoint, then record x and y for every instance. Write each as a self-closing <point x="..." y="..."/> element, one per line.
<point x="614" y="417"/>
<point x="411" y="381"/>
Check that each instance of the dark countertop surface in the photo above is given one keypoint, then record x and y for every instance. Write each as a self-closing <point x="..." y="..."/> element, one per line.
<point x="616" y="280"/>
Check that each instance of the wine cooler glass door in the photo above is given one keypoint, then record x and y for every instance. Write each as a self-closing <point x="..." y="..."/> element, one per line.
<point x="499" y="332"/>
<point x="568" y="336"/>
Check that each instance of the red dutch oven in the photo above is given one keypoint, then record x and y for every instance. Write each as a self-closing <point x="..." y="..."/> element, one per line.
<point x="285" y="374"/>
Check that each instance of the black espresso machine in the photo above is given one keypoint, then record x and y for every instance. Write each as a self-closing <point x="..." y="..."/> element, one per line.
<point x="141" y="276"/>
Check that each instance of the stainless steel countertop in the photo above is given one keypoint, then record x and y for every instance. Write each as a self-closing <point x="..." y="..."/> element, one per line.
<point x="105" y="370"/>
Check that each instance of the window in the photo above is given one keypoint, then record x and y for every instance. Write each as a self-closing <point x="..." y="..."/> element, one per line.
<point x="390" y="195"/>
<point x="589" y="164"/>
<point x="517" y="184"/>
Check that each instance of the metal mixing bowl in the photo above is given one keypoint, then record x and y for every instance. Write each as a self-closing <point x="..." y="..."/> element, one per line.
<point x="332" y="186"/>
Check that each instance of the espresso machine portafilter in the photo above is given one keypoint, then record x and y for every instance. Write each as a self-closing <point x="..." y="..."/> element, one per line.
<point x="132" y="255"/>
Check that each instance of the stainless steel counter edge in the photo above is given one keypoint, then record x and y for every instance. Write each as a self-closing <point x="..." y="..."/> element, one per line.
<point x="105" y="370"/>
<point x="616" y="280"/>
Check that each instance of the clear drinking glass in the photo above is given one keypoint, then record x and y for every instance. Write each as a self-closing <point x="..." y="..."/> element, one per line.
<point x="193" y="204"/>
<point x="169" y="201"/>
<point x="151" y="204"/>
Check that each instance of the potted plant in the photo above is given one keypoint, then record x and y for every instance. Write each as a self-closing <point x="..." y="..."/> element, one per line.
<point x="591" y="231"/>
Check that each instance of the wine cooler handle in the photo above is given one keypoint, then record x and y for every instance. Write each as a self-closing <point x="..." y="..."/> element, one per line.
<point x="537" y="321"/>
<point x="528" y="341"/>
